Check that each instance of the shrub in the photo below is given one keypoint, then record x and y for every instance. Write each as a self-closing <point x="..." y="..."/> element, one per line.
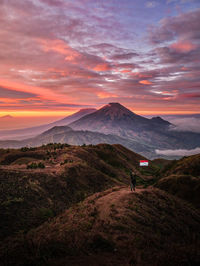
<point x="35" y="165"/>
<point x="45" y="213"/>
<point x="10" y="201"/>
<point x="24" y="149"/>
<point x="101" y="243"/>
<point x="32" y="166"/>
<point x="41" y="165"/>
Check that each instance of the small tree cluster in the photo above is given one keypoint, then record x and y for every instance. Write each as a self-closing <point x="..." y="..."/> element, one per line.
<point x="24" y="149"/>
<point x="35" y="165"/>
<point x="57" y="145"/>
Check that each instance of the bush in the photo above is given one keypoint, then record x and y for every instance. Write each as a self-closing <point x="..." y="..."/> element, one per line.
<point x="45" y="213"/>
<point x="32" y="166"/>
<point x="41" y="165"/>
<point x="102" y="244"/>
<point x="24" y="149"/>
<point x="35" y="165"/>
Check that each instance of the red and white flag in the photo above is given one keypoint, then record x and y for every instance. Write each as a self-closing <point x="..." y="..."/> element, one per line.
<point x="144" y="163"/>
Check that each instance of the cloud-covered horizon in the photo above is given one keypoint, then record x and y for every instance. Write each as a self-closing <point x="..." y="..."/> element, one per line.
<point x="86" y="53"/>
<point x="178" y="152"/>
<point x="191" y="124"/>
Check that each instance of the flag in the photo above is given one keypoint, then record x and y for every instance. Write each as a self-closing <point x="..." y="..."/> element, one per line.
<point x="144" y="163"/>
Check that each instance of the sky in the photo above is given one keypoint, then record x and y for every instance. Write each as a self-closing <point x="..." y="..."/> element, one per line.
<point x="58" y="56"/>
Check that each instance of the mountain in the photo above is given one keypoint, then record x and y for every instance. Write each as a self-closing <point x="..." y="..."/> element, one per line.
<point x="114" y="118"/>
<point x="6" y="117"/>
<point x="118" y="120"/>
<point x="64" y="134"/>
<point x="111" y="124"/>
<point x="20" y="134"/>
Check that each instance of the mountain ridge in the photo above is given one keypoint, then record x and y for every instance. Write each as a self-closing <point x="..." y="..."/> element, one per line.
<point x="19" y="134"/>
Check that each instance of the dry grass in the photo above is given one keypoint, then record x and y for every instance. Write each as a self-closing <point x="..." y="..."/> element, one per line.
<point x="148" y="227"/>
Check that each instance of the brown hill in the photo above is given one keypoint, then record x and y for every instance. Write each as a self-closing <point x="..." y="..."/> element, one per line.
<point x="184" y="186"/>
<point x="185" y="166"/>
<point x="115" y="227"/>
<point x="182" y="178"/>
<point x="58" y="176"/>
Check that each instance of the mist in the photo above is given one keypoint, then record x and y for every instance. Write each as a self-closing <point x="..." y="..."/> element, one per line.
<point x="178" y="152"/>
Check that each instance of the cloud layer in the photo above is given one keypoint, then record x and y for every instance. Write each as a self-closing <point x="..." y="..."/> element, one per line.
<point x="179" y="152"/>
<point x="70" y="54"/>
<point x="186" y="124"/>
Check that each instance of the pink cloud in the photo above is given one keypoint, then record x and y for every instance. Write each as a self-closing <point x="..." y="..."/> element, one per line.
<point x="145" y="82"/>
<point x="184" y="26"/>
<point x="102" y="67"/>
<point x="183" y="46"/>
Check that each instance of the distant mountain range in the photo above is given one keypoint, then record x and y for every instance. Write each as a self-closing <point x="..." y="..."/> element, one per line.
<point x="6" y="117"/>
<point x="20" y="134"/>
<point x="111" y="124"/>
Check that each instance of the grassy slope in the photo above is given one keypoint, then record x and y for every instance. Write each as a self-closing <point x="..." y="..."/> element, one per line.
<point x="115" y="227"/>
<point x="184" y="186"/>
<point x="182" y="178"/>
<point x="30" y="197"/>
<point x="187" y="166"/>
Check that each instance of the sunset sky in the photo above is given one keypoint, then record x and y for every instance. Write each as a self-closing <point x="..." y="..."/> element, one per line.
<point x="58" y="56"/>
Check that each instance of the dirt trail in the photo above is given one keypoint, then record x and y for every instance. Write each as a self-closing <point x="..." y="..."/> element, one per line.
<point x="114" y="200"/>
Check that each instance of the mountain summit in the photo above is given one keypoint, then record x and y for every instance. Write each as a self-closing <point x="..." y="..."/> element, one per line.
<point x="114" y="118"/>
<point x="156" y="133"/>
<point x="115" y="110"/>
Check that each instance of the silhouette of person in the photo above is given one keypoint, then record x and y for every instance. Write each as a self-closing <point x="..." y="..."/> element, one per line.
<point x="133" y="180"/>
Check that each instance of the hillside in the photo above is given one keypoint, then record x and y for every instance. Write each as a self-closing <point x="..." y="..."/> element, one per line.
<point x="185" y="187"/>
<point x="182" y="178"/>
<point x="189" y="165"/>
<point x="31" y="196"/>
<point x="115" y="227"/>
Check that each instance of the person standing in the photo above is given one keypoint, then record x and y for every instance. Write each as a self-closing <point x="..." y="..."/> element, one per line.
<point x="133" y="180"/>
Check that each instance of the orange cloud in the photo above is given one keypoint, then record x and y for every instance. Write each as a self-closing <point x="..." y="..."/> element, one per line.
<point x="184" y="68"/>
<point x="60" y="47"/>
<point x="103" y="95"/>
<point x="125" y="70"/>
<point x="145" y="82"/>
<point x="44" y="93"/>
<point x="101" y="67"/>
<point x="185" y="46"/>
<point x="140" y="75"/>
